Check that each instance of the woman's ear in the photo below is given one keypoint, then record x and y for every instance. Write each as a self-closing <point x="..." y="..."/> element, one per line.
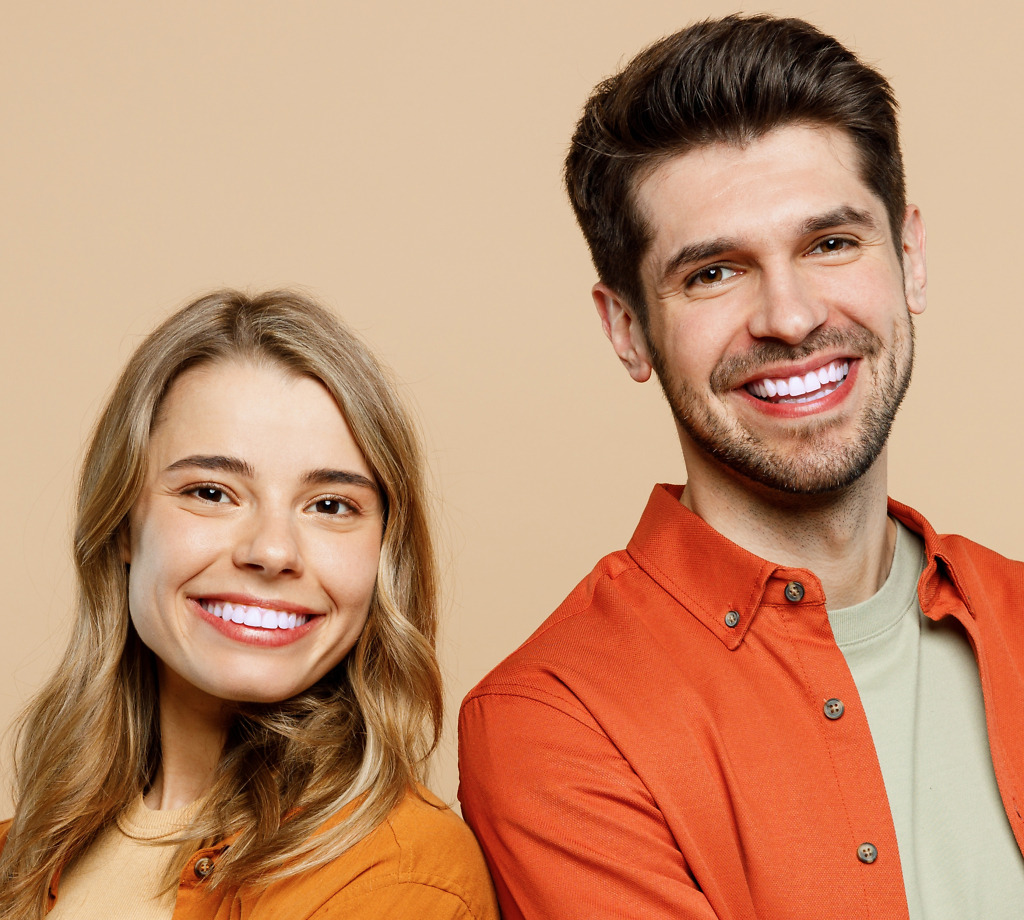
<point x="124" y="542"/>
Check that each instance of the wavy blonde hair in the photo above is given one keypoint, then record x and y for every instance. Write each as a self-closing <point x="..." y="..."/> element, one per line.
<point x="89" y="743"/>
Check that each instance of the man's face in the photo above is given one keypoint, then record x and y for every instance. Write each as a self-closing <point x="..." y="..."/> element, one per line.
<point x="778" y="308"/>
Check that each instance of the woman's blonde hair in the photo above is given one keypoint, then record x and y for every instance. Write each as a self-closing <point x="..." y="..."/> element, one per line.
<point x="89" y="742"/>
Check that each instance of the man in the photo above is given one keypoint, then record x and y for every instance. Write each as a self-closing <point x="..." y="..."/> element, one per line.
<point x="788" y="697"/>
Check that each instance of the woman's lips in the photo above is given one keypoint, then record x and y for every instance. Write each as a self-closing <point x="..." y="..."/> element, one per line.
<point x="238" y="621"/>
<point x="256" y="617"/>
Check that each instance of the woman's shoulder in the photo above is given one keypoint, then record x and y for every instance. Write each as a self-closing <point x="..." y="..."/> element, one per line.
<point x="422" y="861"/>
<point x="424" y="827"/>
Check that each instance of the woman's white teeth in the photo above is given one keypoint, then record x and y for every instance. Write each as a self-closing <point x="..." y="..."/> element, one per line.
<point x="824" y="379"/>
<point x="260" y="617"/>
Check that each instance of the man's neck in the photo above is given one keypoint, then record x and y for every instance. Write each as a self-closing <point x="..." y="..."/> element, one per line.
<point x="846" y="538"/>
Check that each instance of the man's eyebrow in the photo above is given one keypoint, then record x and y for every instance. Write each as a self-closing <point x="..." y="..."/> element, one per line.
<point x="711" y="249"/>
<point x="214" y="463"/>
<point x="837" y="218"/>
<point x="699" y="252"/>
<point x="338" y="477"/>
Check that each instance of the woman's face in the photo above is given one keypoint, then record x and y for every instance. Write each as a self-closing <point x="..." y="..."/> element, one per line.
<point x="254" y="543"/>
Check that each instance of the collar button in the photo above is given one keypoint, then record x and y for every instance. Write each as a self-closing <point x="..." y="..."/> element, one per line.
<point x="794" y="592"/>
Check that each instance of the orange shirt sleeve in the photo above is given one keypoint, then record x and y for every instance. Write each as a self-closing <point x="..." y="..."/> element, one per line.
<point x="568" y="828"/>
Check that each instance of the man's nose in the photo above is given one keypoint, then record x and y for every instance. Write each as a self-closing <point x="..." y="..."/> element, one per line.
<point x="788" y="307"/>
<point x="269" y="544"/>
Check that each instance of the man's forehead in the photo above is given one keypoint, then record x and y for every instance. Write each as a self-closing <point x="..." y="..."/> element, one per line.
<point x="753" y="155"/>
<point x="769" y="185"/>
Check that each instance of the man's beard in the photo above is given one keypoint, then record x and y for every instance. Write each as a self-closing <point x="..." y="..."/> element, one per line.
<point x="814" y="464"/>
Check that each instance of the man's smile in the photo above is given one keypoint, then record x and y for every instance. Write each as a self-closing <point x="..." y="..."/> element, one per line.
<point x="813" y="385"/>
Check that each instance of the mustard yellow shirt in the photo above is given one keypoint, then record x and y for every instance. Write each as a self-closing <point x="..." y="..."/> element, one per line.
<point x="422" y="863"/>
<point x="134" y="849"/>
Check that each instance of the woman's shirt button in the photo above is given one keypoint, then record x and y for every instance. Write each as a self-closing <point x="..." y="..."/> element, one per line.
<point x="203" y="867"/>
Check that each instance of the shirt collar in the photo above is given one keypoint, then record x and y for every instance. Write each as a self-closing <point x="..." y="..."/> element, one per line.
<point x="724" y="585"/>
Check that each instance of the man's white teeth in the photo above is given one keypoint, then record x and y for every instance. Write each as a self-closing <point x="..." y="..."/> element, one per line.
<point x="254" y="616"/>
<point x="824" y="379"/>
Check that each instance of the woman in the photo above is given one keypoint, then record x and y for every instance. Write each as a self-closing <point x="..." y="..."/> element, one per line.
<point x="250" y="691"/>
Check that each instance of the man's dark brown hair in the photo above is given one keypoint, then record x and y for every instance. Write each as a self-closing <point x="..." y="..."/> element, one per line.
<point x="729" y="81"/>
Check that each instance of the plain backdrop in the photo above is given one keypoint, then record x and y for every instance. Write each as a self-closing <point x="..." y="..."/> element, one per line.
<point x="401" y="161"/>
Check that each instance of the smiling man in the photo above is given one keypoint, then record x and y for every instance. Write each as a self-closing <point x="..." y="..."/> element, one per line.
<point x="788" y="696"/>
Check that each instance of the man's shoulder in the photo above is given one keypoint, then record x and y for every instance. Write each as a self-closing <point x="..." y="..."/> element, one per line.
<point x="955" y="549"/>
<point x="965" y="549"/>
<point x="603" y="620"/>
<point x="987" y="581"/>
<point x="981" y="572"/>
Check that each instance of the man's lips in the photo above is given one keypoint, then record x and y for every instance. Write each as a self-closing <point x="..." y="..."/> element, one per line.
<point x="814" y="384"/>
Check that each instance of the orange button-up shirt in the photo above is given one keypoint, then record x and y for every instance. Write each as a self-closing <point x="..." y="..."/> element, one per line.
<point x="660" y="747"/>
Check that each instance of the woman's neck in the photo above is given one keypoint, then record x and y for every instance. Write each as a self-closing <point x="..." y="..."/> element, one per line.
<point x="193" y="728"/>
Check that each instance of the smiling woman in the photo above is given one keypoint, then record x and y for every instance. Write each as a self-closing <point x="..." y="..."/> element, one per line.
<point x="244" y="711"/>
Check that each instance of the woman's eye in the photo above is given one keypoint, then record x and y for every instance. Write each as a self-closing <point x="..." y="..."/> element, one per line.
<point x="332" y="506"/>
<point x="210" y="494"/>
<point x="712" y="274"/>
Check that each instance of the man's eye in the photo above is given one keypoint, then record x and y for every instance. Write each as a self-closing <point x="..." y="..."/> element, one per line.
<point x="712" y="274"/>
<point x="834" y="244"/>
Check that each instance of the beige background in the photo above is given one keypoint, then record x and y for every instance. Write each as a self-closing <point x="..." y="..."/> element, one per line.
<point x="402" y="162"/>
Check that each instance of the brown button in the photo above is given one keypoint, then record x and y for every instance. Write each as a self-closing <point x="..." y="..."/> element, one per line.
<point x="794" y="592"/>
<point x="867" y="853"/>
<point x="834" y="708"/>
<point x="732" y="618"/>
<point x="203" y="867"/>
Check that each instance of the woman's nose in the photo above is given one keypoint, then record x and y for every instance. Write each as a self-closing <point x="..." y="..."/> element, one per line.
<point x="269" y="545"/>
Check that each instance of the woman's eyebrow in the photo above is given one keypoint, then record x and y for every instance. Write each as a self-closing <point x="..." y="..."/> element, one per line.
<point x="326" y="477"/>
<point x="220" y="464"/>
<point x="215" y="463"/>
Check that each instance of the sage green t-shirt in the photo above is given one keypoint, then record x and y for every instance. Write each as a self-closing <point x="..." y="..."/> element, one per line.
<point x="918" y="682"/>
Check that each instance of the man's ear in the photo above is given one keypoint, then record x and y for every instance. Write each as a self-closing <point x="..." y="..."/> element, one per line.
<point x="915" y="269"/>
<point x="624" y="331"/>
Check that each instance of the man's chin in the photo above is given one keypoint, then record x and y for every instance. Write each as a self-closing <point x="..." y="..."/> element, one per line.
<point x="823" y="466"/>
